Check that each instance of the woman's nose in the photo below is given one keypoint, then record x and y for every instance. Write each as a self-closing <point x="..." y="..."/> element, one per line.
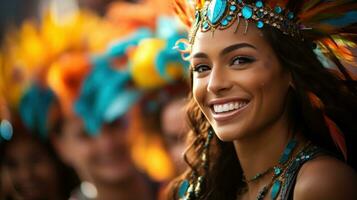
<point x="219" y="80"/>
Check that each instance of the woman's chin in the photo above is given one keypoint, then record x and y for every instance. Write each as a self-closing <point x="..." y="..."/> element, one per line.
<point x="228" y="134"/>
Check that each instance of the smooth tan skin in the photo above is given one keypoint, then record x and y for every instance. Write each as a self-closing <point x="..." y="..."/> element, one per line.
<point x="103" y="160"/>
<point x="261" y="132"/>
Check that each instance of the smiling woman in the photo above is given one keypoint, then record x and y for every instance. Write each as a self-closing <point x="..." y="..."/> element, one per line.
<point x="242" y="83"/>
<point x="268" y="119"/>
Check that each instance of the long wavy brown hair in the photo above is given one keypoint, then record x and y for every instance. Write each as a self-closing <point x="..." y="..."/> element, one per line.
<point x="337" y="91"/>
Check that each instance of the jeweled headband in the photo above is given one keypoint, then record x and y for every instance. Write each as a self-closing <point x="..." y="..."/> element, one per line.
<point x="221" y="14"/>
<point x="332" y="25"/>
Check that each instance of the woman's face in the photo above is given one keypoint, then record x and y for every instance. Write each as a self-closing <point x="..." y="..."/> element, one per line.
<point x="104" y="158"/>
<point x="32" y="173"/>
<point x="238" y="81"/>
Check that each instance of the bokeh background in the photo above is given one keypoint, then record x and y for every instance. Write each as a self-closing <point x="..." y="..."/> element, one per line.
<point x="92" y="99"/>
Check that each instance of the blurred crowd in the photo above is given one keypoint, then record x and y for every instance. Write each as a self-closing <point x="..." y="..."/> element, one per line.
<point x="92" y="99"/>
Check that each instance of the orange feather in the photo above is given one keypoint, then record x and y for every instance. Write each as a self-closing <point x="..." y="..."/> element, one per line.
<point x="335" y="132"/>
<point x="336" y="135"/>
<point x="315" y="101"/>
<point x="185" y="12"/>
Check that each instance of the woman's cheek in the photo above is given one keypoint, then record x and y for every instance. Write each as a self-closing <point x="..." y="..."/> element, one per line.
<point x="198" y="90"/>
<point x="261" y="77"/>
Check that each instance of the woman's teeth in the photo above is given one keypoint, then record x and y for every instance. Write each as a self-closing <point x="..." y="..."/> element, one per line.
<point x="220" y="108"/>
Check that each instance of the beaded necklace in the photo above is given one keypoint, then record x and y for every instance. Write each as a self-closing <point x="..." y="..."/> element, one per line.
<point x="278" y="179"/>
<point x="282" y="163"/>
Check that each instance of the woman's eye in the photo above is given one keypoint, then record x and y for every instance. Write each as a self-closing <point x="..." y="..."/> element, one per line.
<point x="240" y="60"/>
<point x="201" y="68"/>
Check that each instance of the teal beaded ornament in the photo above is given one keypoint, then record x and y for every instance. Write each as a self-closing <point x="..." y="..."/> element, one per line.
<point x="221" y="14"/>
<point x="191" y="189"/>
<point x="276" y="183"/>
<point x="282" y="162"/>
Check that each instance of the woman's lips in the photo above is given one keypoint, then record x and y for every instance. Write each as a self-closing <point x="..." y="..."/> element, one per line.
<point x="227" y="110"/>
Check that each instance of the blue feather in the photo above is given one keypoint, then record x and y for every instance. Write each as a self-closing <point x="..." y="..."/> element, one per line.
<point x="345" y="20"/>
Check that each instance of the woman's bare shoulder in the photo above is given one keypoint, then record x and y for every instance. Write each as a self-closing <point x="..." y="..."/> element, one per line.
<point x="326" y="178"/>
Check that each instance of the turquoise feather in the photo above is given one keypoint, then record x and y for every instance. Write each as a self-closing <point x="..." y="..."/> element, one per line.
<point x="345" y="20"/>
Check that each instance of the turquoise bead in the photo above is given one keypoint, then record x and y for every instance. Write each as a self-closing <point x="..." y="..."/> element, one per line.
<point x="233" y="8"/>
<point x="291" y="15"/>
<point x="229" y="18"/>
<point x="286" y="154"/>
<point x="183" y="188"/>
<point x="205" y="26"/>
<point x="277" y="171"/>
<point x="260" y="24"/>
<point x="247" y="12"/>
<point x="278" y="9"/>
<point x="275" y="189"/>
<point x="6" y="130"/>
<point x="216" y="10"/>
<point x="224" y="22"/>
<point x="259" y="4"/>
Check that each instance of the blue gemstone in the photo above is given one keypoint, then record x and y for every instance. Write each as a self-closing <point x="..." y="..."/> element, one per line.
<point x="277" y="171"/>
<point x="247" y="12"/>
<point x="229" y="18"/>
<point x="278" y="9"/>
<point x="260" y="24"/>
<point x="216" y="10"/>
<point x="275" y="189"/>
<point x="291" y="15"/>
<point x="205" y="26"/>
<point x="183" y="188"/>
<point x="286" y="154"/>
<point x="233" y="8"/>
<point x="6" y="130"/>
<point x="224" y="22"/>
<point x="259" y="4"/>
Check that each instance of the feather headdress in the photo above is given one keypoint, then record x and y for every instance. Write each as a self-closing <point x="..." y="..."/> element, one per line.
<point x="329" y="23"/>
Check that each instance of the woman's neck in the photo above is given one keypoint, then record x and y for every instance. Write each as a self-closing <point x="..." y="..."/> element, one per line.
<point x="261" y="151"/>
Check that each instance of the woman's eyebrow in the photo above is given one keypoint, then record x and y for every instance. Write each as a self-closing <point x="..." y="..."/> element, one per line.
<point x="200" y="55"/>
<point x="235" y="47"/>
<point x="226" y="50"/>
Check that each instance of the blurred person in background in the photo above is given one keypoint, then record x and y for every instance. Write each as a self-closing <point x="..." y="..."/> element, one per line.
<point x="94" y="134"/>
<point x="162" y="112"/>
<point x="32" y="169"/>
<point x="92" y="114"/>
<point x="174" y="128"/>
<point x="104" y="160"/>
